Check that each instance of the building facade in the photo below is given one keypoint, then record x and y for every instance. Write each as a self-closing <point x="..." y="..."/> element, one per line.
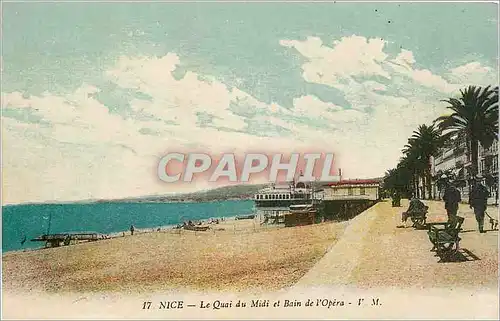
<point x="455" y="161"/>
<point x="356" y="189"/>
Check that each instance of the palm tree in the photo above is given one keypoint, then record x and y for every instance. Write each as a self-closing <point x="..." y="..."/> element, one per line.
<point x="412" y="163"/>
<point x="397" y="180"/>
<point x="424" y="143"/>
<point x="390" y="181"/>
<point x="475" y="115"/>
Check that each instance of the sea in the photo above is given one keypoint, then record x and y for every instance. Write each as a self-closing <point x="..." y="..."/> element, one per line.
<point x="25" y="222"/>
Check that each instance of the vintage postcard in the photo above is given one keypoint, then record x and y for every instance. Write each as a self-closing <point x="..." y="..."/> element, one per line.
<point x="249" y="160"/>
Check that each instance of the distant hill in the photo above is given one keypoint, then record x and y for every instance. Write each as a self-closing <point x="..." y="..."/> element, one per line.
<point x="231" y="192"/>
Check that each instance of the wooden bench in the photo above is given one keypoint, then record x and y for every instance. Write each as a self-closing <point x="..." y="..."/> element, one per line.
<point x="444" y="236"/>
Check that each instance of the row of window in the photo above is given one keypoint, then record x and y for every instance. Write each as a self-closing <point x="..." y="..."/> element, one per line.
<point x="490" y="167"/>
<point x="280" y="196"/>
<point x="273" y="196"/>
<point x="350" y="191"/>
<point x="493" y="148"/>
<point x="461" y="147"/>
<point x="362" y="191"/>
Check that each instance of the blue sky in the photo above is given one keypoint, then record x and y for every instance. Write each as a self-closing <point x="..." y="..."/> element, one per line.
<point x="93" y="94"/>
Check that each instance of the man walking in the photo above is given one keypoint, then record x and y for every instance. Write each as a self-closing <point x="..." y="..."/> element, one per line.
<point x="478" y="200"/>
<point x="451" y="200"/>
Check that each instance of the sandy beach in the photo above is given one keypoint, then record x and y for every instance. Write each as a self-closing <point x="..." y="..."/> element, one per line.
<point x="233" y="255"/>
<point x="240" y="255"/>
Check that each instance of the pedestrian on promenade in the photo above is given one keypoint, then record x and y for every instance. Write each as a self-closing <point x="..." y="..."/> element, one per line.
<point x="416" y="207"/>
<point x="451" y="200"/>
<point x="396" y="199"/>
<point x="478" y="200"/>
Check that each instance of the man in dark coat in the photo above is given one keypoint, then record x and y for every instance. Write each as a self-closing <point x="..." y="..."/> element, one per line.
<point x="451" y="200"/>
<point x="478" y="200"/>
<point x="416" y="207"/>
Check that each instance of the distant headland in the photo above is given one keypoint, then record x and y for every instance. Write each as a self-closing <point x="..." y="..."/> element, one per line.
<point x="224" y="193"/>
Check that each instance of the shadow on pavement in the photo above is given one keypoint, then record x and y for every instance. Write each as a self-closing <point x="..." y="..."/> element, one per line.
<point x="468" y="231"/>
<point x="462" y="255"/>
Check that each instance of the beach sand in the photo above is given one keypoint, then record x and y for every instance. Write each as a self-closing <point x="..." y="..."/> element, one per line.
<point x="233" y="255"/>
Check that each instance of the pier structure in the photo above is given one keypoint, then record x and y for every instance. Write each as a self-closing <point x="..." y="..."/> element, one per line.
<point x="339" y="200"/>
<point x="347" y="198"/>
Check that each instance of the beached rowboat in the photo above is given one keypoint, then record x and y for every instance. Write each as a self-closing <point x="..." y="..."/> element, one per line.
<point x="196" y="228"/>
<point x="245" y="217"/>
<point x="54" y="240"/>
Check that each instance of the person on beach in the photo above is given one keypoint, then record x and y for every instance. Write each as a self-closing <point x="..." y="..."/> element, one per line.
<point x="478" y="200"/>
<point x="132" y="229"/>
<point x="451" y="200"/>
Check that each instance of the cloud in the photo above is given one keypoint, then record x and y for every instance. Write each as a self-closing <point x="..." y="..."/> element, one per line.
<point x="356" y="56"/>
<point x="74" y="146"/>
<point x="473" y="73"/>
<point x="312" y="107"/>
<point x="350" y="56"/>
<point x="175" y="100"/>
<point x="403" y="65"/>
<point x="405" y="59"/>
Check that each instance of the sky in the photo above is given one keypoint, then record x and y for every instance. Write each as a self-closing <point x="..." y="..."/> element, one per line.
<point x="94" y="94"/>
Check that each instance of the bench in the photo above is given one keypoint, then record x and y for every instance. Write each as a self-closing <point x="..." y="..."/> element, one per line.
<point x="444" y="236"/>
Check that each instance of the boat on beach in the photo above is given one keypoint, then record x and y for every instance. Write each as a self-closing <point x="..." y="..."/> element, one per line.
<point x="245" y="217"/>
<point x="196" y="227"/>
<point x="55" y="240"/>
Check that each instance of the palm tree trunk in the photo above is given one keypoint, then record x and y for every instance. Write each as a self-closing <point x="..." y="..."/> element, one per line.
<point x="413" y="185"/>
<point x="474" y="157"/>
<point x="424" y="182"/>
<point x="429" y="185"/>
<point x="417" y="186"/>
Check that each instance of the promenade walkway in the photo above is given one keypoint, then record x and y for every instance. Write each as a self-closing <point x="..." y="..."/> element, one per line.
<point x="373" y="252"/>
